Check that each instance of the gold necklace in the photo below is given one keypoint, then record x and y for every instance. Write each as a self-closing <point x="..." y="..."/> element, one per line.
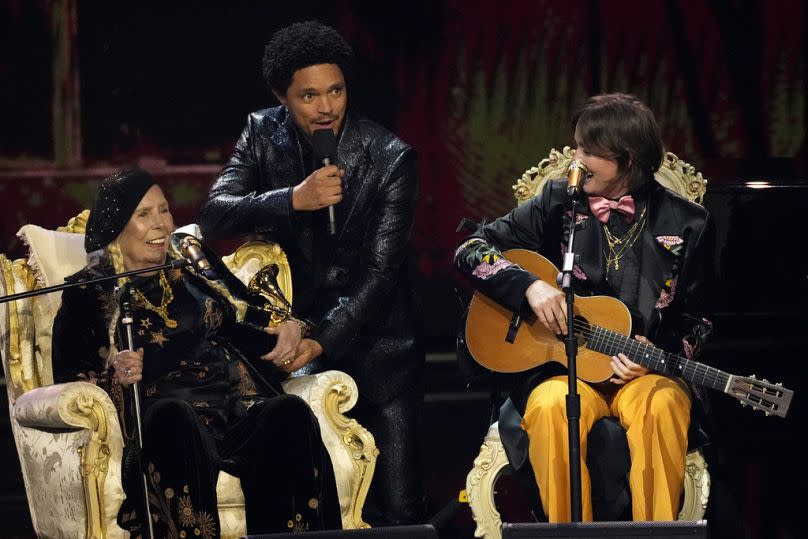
<point x="165" y="300"/>
<point x="618" y="247"/>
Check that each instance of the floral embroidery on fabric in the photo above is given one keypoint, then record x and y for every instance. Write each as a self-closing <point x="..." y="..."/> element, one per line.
<point x="579" y="217"/>
<point x="667" y="294"/>
<point x="674" y="244"/>
<point x="688" y="349"/>
<point x="467" y="244"/>
<point x="246" y="385"/>
<point x="298" y="524"/>
<point x="481" y="259"/>
<point x="213" y="315"/>
<point x="206" y="525"/>
<point x="576" y="269"/>
<point x="484" y="270"/>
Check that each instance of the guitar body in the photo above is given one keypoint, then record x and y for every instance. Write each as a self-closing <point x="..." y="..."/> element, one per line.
<point x="488" y="323"/>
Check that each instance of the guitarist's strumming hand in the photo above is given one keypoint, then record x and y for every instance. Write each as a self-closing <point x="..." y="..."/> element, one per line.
<point x="625" y="369"/>
<point x="549" y="304"/>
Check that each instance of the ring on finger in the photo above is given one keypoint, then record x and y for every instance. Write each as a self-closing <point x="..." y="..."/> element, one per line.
<point x="285" y="362"/>
<point x="127" y="371"/>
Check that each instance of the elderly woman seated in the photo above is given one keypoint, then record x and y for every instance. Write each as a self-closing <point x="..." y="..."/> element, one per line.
<point x="208" y="371"/>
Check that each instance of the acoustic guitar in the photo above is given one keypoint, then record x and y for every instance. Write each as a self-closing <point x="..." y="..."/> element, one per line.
<point x="508" y="342"/>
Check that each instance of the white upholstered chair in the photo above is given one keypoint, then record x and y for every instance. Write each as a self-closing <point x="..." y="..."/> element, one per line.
<point x="67" y="435"/>
<point x="492" y="461"/>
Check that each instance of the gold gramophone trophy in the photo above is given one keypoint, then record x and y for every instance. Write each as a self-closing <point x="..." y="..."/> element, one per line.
<point x="265" y="284"/>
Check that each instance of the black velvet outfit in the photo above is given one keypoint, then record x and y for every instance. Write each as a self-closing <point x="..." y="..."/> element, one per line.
<point x="353" y="286"/>
<point x="203" y="409"/>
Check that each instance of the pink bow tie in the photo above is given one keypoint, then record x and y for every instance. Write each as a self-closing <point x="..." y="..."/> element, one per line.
<point x="601" y="207"/>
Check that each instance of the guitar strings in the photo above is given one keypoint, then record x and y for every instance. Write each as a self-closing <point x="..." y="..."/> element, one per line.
<point x="717" y="378"/>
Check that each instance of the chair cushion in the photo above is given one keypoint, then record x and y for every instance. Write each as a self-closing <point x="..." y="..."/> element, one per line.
<point x="52" y="256"/>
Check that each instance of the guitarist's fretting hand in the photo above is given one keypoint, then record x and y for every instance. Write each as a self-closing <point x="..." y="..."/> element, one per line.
<point x="550" y="306"/>
<point x="625" y="369"/>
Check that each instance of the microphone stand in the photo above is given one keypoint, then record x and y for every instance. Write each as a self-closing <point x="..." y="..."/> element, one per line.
<point x="126" y="320"/>
<point x="565" y="282"/>
<point x="174" y="264"/>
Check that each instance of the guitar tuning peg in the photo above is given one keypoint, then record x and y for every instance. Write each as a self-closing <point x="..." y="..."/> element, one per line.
<point x="753" y="377"/>
<point x="743" y="403"/>
<point x="765" y="380"/>
<point x="779" y="384"/>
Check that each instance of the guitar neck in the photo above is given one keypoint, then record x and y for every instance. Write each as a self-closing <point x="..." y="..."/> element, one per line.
<point x="611" y="343"/>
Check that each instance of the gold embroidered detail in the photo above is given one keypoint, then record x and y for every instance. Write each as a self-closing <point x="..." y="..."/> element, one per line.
<point x="141" y="332"/>
<point x="158" y="338"/>
<point x="145" y="323"/>
<point x="165" y="300"/>
<point x="298" y="524"/>
<point x="246" y="384"/>
<point x="206" y="525"/>
<point x="200" y="404"/>
<point x="314" y="503"/>
<point x="213" y="315"/>
<point x="151" y="390"/>
<point x="185" y="511"/>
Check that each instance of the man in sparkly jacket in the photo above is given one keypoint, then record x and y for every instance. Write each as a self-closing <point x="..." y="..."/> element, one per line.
<point x="351" y="286"/>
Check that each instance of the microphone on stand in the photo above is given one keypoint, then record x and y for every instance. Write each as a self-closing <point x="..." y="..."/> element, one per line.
<point x="324" y="144"/>
<point x="190" y="249"/>
<point x="576" y="174"/>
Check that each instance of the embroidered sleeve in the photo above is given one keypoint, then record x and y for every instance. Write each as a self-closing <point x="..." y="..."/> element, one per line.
<point x="480" y="259"/>
<point x="492" y="274"/>
<point x="693" y="342"/>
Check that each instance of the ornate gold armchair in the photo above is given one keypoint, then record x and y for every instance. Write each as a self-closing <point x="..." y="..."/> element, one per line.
<point x="67" y="435"/>
<point x="676" y="175"/>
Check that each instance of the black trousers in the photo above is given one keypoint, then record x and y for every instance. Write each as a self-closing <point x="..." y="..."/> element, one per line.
<point x="275" y="450"/>
<point x="396" y="495"/>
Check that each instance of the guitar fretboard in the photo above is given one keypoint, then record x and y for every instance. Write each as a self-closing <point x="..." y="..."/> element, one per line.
<point x="611" y="343"/>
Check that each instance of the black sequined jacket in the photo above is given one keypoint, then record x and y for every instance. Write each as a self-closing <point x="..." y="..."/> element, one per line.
<point x="353" y="286"/>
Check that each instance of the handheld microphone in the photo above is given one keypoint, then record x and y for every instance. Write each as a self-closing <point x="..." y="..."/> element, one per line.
<point x="575" y="177"/>
<point x="324" y="144"/>
<point x="190" y="249"/>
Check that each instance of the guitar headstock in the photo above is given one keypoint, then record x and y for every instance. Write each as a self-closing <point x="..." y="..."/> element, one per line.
<point x="772" y="399"/>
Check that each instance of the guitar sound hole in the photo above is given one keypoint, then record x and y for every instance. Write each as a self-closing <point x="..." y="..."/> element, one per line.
<point x="582" y="331"/>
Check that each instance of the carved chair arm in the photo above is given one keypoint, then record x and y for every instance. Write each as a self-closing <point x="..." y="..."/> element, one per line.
<point x="83" y="416"/>
<point x="352" y="448"/>
<point x="64" y="406"/>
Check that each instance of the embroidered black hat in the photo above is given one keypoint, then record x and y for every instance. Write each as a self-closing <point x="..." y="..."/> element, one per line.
<point x="115" y="202"/>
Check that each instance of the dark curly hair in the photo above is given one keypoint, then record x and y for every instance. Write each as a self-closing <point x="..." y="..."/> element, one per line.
<point x="301" y="45"/>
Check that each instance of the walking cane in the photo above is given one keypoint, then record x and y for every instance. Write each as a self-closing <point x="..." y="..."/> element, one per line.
<point x="127" y="320"/>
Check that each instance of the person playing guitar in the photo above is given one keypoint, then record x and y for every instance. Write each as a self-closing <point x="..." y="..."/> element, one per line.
<point x="638" y="242"/>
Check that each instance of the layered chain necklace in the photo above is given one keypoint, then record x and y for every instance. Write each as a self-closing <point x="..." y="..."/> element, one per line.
<point x="165" y="300"/>
<point x="618" y="247"/>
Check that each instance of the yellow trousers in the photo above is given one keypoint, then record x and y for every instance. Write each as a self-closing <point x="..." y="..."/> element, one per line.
<point x="654" y="410"/>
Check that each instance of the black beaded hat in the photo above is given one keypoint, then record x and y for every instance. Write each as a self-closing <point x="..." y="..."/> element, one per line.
<point x="115" y="202"/>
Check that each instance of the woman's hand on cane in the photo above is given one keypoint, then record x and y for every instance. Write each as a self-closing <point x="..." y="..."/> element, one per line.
<point x="128" y="366"/>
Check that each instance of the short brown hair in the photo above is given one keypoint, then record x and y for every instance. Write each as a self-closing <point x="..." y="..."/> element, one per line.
<point x="621" y="127"/>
